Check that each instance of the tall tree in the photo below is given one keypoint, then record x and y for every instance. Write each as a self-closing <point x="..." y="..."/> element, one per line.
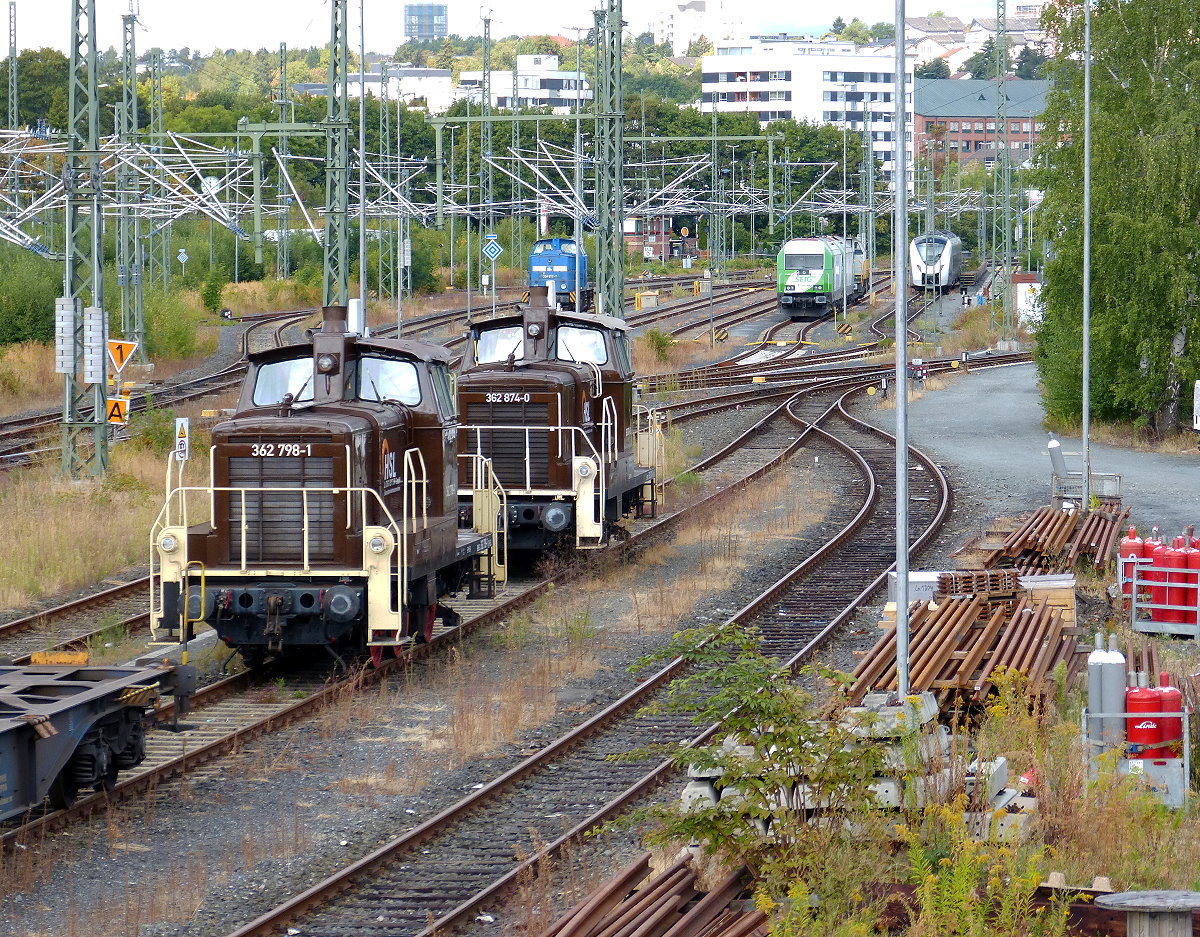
<point x="1030" y="62"/>
<point x="1145" y="212"/>
<point x="883" y="31"/>
<point x="986" y="62"/>
<point x="934" y="68"/>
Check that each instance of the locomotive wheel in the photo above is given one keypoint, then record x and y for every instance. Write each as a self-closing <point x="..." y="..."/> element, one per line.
<point x="63" y="792"/>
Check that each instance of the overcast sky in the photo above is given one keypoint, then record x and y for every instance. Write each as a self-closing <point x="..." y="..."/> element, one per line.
<point x="254" y="24"/>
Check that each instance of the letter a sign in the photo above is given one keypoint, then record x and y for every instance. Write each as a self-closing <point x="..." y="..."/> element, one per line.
<point x="117" y="409"/>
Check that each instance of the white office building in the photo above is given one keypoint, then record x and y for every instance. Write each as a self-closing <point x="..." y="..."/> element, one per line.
<point x="540" y="83"/>
<point x="777" y="78"/>
<point x="431" y="88"/>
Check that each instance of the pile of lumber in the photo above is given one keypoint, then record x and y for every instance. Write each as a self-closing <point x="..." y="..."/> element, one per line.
<point x="958" y="646"/>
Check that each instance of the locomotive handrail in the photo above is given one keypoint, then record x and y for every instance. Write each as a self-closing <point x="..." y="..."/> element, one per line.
<point x="608" y="429"/>
<point x="399" y="529"/>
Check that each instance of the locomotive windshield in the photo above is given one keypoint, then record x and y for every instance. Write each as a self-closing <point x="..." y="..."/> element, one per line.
<point x="388" y="379"/>
<point x="930" y="250"/>
<point x="278" y="378"/>
<point x="575" y="344"/>
<point x="803" y="261"/>
<point x="498" y="344"/>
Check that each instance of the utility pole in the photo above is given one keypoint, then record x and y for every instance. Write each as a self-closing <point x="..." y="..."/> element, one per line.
<point x="335" y="286"/>
<point x="610" y="166"/>
<point x="13" y="110"/>
<point x="80" y="330"/>
<point x="129" y="195"/>
<point x="1002" y="239"/>
<point x="287" y="113"/>
<point x="716" y="226"/>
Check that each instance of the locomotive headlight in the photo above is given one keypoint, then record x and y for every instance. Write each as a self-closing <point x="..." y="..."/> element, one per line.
<point x="377" y="544"/>
<point x="585" y="469"/>
<point x="326" y="363"/>
<point x="168" y="543"/>
<point x="535" y="329"/>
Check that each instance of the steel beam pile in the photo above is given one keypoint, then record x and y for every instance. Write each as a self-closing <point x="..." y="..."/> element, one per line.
<point x="671" y="904"/>
<point x="958" y="647"/>
<point x="1053" y="541"/>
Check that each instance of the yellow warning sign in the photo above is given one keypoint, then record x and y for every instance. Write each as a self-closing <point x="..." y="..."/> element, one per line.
<point x="120" y="352"/>
<point x="118" y="410"/>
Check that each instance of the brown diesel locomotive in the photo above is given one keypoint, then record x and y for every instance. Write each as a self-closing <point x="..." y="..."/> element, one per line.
<point x="331" y="512"/>
<point x="547" y="396"/>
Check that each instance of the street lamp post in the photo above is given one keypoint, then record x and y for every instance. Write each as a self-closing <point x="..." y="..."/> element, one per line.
<point x="1087" y="254"/>
<point x="732" y="198"/>
<point x="454" y="197"/>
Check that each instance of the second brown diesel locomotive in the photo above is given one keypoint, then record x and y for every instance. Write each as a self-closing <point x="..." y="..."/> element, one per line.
<point x="547" y="396"/>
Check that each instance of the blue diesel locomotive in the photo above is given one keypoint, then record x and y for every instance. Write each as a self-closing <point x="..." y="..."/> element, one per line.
<point x="560" y="266"/>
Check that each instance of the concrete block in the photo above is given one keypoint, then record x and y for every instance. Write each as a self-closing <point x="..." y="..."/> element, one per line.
<point x="698" y="794"/>
<point x="884" y="715"/>
<point x="993" y="775"/>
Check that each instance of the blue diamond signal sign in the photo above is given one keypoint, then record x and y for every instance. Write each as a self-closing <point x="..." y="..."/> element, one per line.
<point x="492" y="248"/>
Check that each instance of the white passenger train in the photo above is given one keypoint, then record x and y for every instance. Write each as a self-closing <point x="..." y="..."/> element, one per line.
<point x="935" y="260"/>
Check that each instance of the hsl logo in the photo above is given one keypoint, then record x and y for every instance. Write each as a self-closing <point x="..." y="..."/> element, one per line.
<point x="389" y="463"/>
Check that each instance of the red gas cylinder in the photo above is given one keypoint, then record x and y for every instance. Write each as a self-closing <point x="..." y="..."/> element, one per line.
<point x="1131" y="550"/>
<point x="1191" y="557"/>
<point x="1141" y="731"/>
<point x="1175" y="558"/>
<point x="1157" y="576"/>
<point x="1170" y="700"/>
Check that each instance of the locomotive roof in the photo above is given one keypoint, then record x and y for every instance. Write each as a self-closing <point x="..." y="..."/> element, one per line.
<point x="417" y="350"/>
<point x="608" y="322"/>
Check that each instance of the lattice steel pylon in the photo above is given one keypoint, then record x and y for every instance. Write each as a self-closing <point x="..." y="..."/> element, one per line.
<point x="158" y="240"/>
<point x="485" y="129"/>
<point x="129" y="259"/>
<point x="610" y="166"/>
<point x="79" y="329"/>
<point x="283" y="244"/>
<point x="336" y="289"/>
<point x="13" y="98"/>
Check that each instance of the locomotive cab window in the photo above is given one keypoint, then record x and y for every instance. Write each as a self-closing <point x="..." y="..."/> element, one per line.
<point x="621" y="342"/>
<point x="443" y="390"/>
<point x="279" y="378"/>
<point x="497" y="344"/>
<point x="803" y="261"/>
<point x="388" y="379"/>
<point x="576" y="344"/>
<point x="568" y="247"/>
<point x="931" y="250"/>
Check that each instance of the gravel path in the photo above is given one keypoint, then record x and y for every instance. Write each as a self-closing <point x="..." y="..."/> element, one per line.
<point x="987" y="424"/>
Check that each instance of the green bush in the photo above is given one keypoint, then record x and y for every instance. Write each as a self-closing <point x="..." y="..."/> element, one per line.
<point x="153" y="429"/>
<point x="214" y="286"/>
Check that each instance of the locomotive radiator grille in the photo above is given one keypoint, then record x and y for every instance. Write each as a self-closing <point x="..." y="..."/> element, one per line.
<point x="507" y="447"/>
<point x="275" y="519"/>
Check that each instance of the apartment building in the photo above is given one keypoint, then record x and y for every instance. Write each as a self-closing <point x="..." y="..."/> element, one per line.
<point x="540" y="83"/>
<point x="782" y="77"/>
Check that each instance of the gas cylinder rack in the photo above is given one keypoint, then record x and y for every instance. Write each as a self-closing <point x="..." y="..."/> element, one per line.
<point x="1160" y="582"/>
<point x="1146" y="730"/>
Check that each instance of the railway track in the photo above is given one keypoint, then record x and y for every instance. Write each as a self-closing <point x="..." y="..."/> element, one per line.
<point x="441" y="873"/>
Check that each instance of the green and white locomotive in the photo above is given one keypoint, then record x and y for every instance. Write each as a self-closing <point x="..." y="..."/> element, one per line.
<point x="815" y="275"/>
